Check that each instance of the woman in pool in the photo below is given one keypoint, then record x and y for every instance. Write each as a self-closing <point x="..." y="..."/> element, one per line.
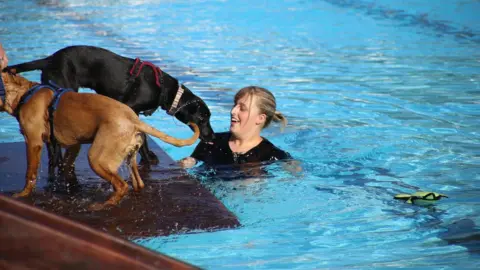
<point x="254" y="110"/>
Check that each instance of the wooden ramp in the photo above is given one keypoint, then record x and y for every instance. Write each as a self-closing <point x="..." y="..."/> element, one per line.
<point x="171" y="202"/>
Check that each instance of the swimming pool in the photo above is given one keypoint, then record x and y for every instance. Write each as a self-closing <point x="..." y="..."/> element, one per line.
<point x="382" y="98"/>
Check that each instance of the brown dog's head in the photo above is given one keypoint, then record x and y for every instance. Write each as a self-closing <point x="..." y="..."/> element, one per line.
<point x="15" y="87"/>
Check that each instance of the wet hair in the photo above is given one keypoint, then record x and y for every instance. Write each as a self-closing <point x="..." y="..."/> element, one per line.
<point x="265" y="102"/>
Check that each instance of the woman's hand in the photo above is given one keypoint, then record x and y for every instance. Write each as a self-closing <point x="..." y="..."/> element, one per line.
<point x="293" y="166"/>
<point x="187" y="162"/>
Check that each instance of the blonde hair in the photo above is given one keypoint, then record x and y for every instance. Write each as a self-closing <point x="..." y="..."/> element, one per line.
<point x="266" y="103"/>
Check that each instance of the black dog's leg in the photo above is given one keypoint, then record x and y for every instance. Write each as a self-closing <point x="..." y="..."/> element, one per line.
<point x="64" y="78"/>
<point x="144" y="157"/>
<point x="68" y="169"/>
<point x="146" y="152"/>
<point x="58" y="157"/>
<point x="148" y="157"/>
<point x="52" y="160"/>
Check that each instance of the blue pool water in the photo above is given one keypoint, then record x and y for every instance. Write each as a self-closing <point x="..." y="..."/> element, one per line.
<point x="382" y="97"/>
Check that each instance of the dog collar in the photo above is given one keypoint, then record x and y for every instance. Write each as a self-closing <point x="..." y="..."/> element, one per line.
<point x="176" y="100"/>
<point x="2" y="91"/>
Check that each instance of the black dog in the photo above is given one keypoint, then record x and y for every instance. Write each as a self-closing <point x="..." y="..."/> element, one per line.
<point x="140" y="85"/>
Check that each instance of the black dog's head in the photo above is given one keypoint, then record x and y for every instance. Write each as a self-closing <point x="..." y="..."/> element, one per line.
<point x="193" y="109"/>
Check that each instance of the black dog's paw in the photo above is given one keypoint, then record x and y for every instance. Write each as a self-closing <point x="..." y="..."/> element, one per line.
<point x="153" y="158"/>
<point x="71" y="184"/>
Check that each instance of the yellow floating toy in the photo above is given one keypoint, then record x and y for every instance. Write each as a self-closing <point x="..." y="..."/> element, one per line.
<point x="421" y="197"/>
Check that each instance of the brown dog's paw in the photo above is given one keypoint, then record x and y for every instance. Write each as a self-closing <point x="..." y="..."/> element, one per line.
<point x="98" y="206"/>
<point x="102" y="206"/>
<point x="24" y="193"/>
<point x="137" y="188"/>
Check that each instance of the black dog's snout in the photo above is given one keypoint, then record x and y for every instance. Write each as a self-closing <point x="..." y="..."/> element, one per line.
<point x="206" y="132"/>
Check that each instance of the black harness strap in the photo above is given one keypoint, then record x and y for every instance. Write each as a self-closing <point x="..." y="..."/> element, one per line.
<point x="135" y="72"/>
<point x="26" y="97"/>
<point x="57" y="94"/>
<point x="2" y="91"/>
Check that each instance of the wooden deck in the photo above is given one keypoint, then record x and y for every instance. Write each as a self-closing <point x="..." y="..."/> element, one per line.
<point x="53" y="228"/>
<point x="171" y="202"/>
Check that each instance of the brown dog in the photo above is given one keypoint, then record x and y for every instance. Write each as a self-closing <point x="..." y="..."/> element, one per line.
<point x="113" y="129"/>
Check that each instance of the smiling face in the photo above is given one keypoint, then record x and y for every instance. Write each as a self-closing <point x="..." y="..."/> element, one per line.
<point x="246" y="118"/>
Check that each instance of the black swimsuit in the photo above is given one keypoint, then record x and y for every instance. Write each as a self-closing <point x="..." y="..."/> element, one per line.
<point x="219" y="153"/>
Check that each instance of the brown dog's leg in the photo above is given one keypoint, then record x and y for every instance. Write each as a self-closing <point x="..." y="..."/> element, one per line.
<point x="119" y="185"/>
<point x="137" y="181"/>
<point x="105" y="158"/>
<point x="34" y="150"/>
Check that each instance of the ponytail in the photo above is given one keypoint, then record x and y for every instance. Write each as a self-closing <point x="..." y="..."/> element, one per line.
<point x="279" y="117"/>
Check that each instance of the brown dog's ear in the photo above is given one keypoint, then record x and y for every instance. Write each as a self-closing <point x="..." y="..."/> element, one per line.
<point x="12" y="71"/>
<point x="15" y="87"/>
<point x="5" y="76"/>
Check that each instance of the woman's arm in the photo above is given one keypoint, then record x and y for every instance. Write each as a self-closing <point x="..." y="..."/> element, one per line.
<point x="289" y="164"/>
<point x="198" y="154"/>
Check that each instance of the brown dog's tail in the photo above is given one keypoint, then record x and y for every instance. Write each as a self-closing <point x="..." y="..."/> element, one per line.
<point x="143" y="127"/>
<point x="28" y="66"/>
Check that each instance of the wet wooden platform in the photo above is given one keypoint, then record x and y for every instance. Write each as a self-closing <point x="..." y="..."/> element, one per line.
<point x="171" y="202"/>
